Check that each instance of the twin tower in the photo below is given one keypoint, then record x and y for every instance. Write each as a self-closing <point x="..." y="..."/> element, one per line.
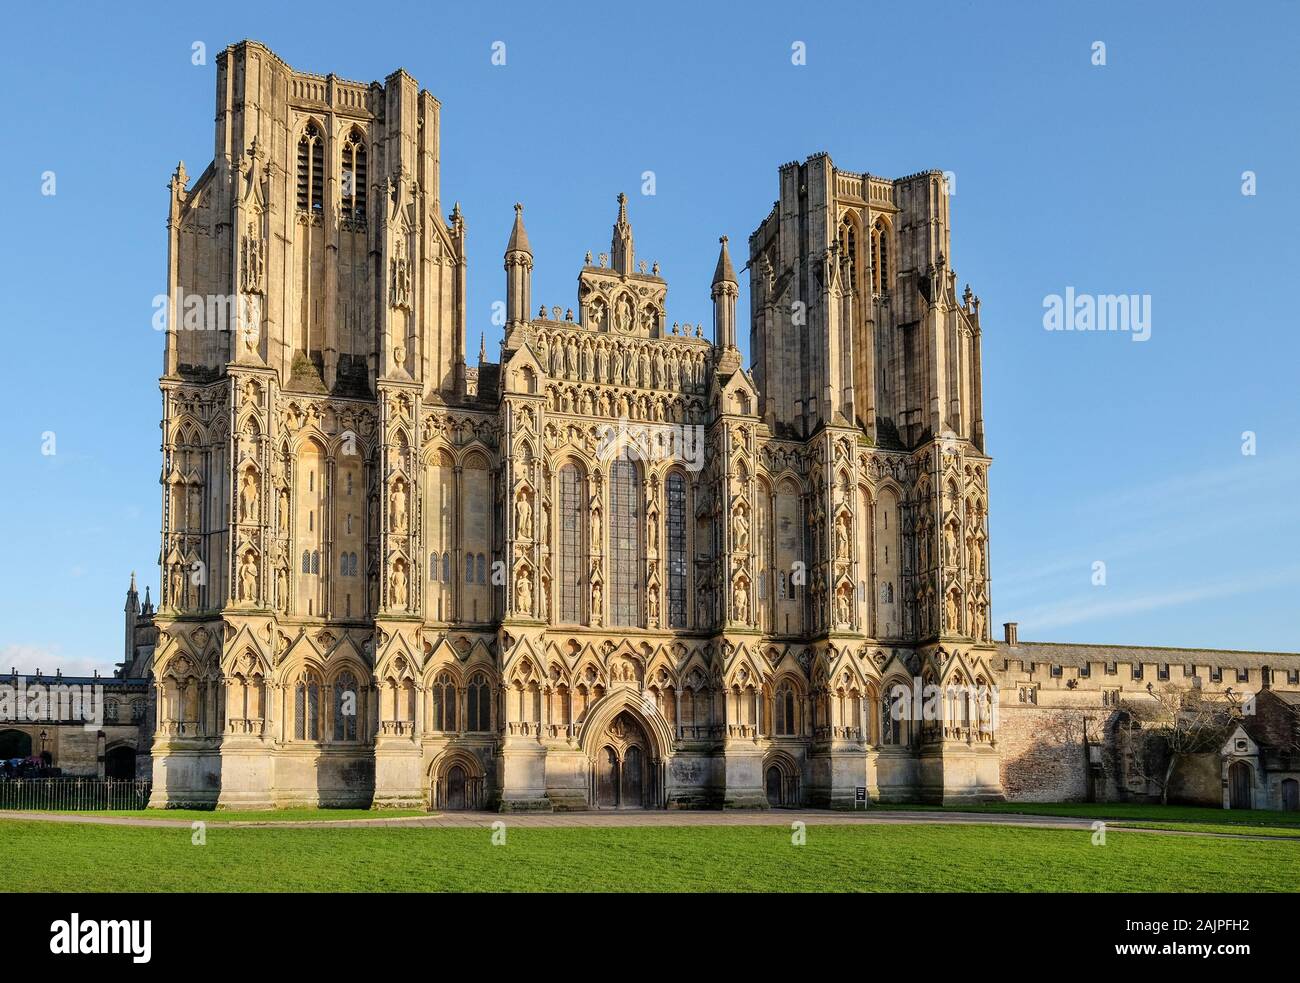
<point x="393" y="577"/>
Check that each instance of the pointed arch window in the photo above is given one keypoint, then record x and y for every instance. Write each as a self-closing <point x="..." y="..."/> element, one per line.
<point x="879" y="257"/>
<point x="446" y="567"/>
<point x="785" y="716"/>
<point x="478" y="704"/>
<point x="353" y="181"/>
<point x="676" y="488"/>
<point x="347" y="704"/>
<point x="306" y="725"/>
<point x="571" y="572"/>
<point x="624" y="542"/>
<point x="849" y="248"/>
<point x="306" y="561"/>
<point x="435" y="568"/>
<point x="311" y="169"/>
<point x="444" y="703"/>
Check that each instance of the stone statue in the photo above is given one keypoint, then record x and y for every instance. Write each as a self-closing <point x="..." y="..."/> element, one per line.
<point x="951" y="612"/>
<point x="524" y="594"/>
<point x="652" y="605"/>
<point x="595" y="528"/>
<point x="248" y="498"/>
<point x="248" y="578"/>
<point x="595" y="603"/>
<point x="740" y="531"/>
<point x="842" y="608"/>
<point x="523" y="517"/>
<point x="283" y="512"/>
<point x="740" y="601"/>
<point x="652" y="533"/>
<point x="397" y="585"/>
<point x="841" y="541"/>
<point x="177" y="582"/>
<point x="282" y="590"/>
<point x="397" y="506"/>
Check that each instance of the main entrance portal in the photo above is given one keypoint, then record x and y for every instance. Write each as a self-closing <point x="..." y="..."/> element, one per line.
<point x="625" y="776"/>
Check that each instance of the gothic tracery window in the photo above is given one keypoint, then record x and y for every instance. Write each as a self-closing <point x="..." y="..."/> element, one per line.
<point x="624" y="542"/>
<point x="571" y="573"/>
<point x="478" y="704"/>
<point x="785" y="710"/>
<point x="354" y="180"/>
<point x="307" y="709"/>
<point x="676" y="487"/>
<point x="346" y="707"/>
<point x="311" y="168"/>
<point x="444" y="703"/>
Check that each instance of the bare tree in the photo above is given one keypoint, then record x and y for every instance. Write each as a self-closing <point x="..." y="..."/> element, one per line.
<point x="1184" y="722"/>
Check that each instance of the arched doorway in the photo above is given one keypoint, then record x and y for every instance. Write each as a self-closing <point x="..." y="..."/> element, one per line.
<point x="458" y="783"/>
<point x="624" y="775"/>
<point x="1239" y="786"/>
<point x="1290" y="795"/>
<point x="15" y="744"/>
<point x="119" y="763"/>
<point x="774" y="786"/>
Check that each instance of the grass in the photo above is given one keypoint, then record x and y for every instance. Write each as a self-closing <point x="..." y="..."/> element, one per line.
<point x="68" y="857"/>
<point x="252" y="815"/>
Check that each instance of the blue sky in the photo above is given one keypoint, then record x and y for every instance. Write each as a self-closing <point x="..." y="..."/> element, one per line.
<point x="1122" y="178"/>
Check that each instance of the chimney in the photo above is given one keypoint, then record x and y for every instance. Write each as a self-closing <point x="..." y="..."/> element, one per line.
<point x="1009" y="632"/>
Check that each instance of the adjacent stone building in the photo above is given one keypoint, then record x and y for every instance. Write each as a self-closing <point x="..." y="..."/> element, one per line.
<point x="614" y="568"/>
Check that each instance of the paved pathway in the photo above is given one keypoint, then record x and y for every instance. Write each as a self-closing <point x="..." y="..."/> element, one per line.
<point x="658" y="817"/>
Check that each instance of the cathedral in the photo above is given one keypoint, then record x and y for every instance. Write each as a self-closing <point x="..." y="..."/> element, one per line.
<point x="615" y="569"/>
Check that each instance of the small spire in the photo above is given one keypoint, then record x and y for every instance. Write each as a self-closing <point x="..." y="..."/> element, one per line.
<point x="482" y="343"/>
<point x="725" y="272"/>
<point x="518" y="236"/>
<point x="622" y="254"/>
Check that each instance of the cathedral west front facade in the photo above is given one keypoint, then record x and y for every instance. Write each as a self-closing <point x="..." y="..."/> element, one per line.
<point x="617" y="568"/>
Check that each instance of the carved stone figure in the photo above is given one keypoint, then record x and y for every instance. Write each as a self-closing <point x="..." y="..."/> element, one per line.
<point x="841" y="608"/>
<point x="523" y="517"/>
<point x="282" y="590"/>
<point x="740" y="531"/>
<point x="841" y="541"/>
<point x="950" y="611"/>
<point x="524" y="594"/>
<point x="397" y="584"/>
<point x="596" y="599"/>
<point x="740" y="602"/>
<point x="282" y="512"/>
<point x="248" y="578"/>
<point x="397" y="506"/>
<point x="248" y="498"/>
<point x="652" y="605"/>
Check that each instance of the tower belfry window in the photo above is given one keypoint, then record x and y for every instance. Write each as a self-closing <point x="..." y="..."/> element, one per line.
<point x="879" y="257"/>
<point x="311" y="169"/>
<point x="849" y="249"/>
<point x="353" y="181"/>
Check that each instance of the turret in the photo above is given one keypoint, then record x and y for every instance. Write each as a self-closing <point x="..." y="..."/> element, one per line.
<point x="622" y="255"/>
<point x="724" y="291"/>
<point x="519" y="273"/>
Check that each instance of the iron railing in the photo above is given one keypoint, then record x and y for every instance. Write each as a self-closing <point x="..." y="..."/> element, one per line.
<point x="73" y="793"/>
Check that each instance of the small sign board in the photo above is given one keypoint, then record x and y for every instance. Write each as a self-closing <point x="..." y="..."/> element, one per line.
<point x="859" y="795"/>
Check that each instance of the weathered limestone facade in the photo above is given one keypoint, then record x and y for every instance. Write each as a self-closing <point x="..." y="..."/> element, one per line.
<point x="393" y="578"/>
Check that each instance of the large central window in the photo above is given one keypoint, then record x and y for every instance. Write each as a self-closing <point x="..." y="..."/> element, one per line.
<point x="624" y="543"/>
<point x="676" y="551"/>
<point x="572" y="510"/>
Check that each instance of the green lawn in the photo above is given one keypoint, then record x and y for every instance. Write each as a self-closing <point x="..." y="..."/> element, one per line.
<point x="67" y="857"/>
<point x="253" y="815"/>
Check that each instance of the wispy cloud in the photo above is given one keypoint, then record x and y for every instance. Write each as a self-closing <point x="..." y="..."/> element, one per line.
<point x="49" y="659"/>
<point x="1079" y="610"/>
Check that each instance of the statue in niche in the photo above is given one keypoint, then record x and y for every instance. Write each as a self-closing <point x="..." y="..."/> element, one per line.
<point x="652" y="533"/>
<point x="194" y="519"/>
<point x="950" y="611"/>
<point x="842" y="540"/>
<point x="248" y="578"/>
<point x="586" y="361"/>
<point x="176" y="585"/>
<point x="652" y="606"/>
<point x="397" y="506"/>
<point x="571" y="360"/>
<point x="595" y="603"/>
<point x="595" y="527"/>
<point x="842" y="608"/>
<point x="397" y="584"/>
<point x="740" y="531"/>
<point x="740" y="602"/>
<point x="602" y="364"/>
<point x="282" y="589"/>
<point x="950" y="544"/>
<point x="978" y="632"/>
<point x="401" y="276"/>
<point x="523" y="517"/>
<point x="282" y="511"/>
<point x="643" y="369"/>
<point x="658" y="368"/>
<point x="623" y="315"/>
<point x="524" y="593"/>
<point x="248" y="498"/>
<point x="542" y="596"/>
<point x="976" y="558"/>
